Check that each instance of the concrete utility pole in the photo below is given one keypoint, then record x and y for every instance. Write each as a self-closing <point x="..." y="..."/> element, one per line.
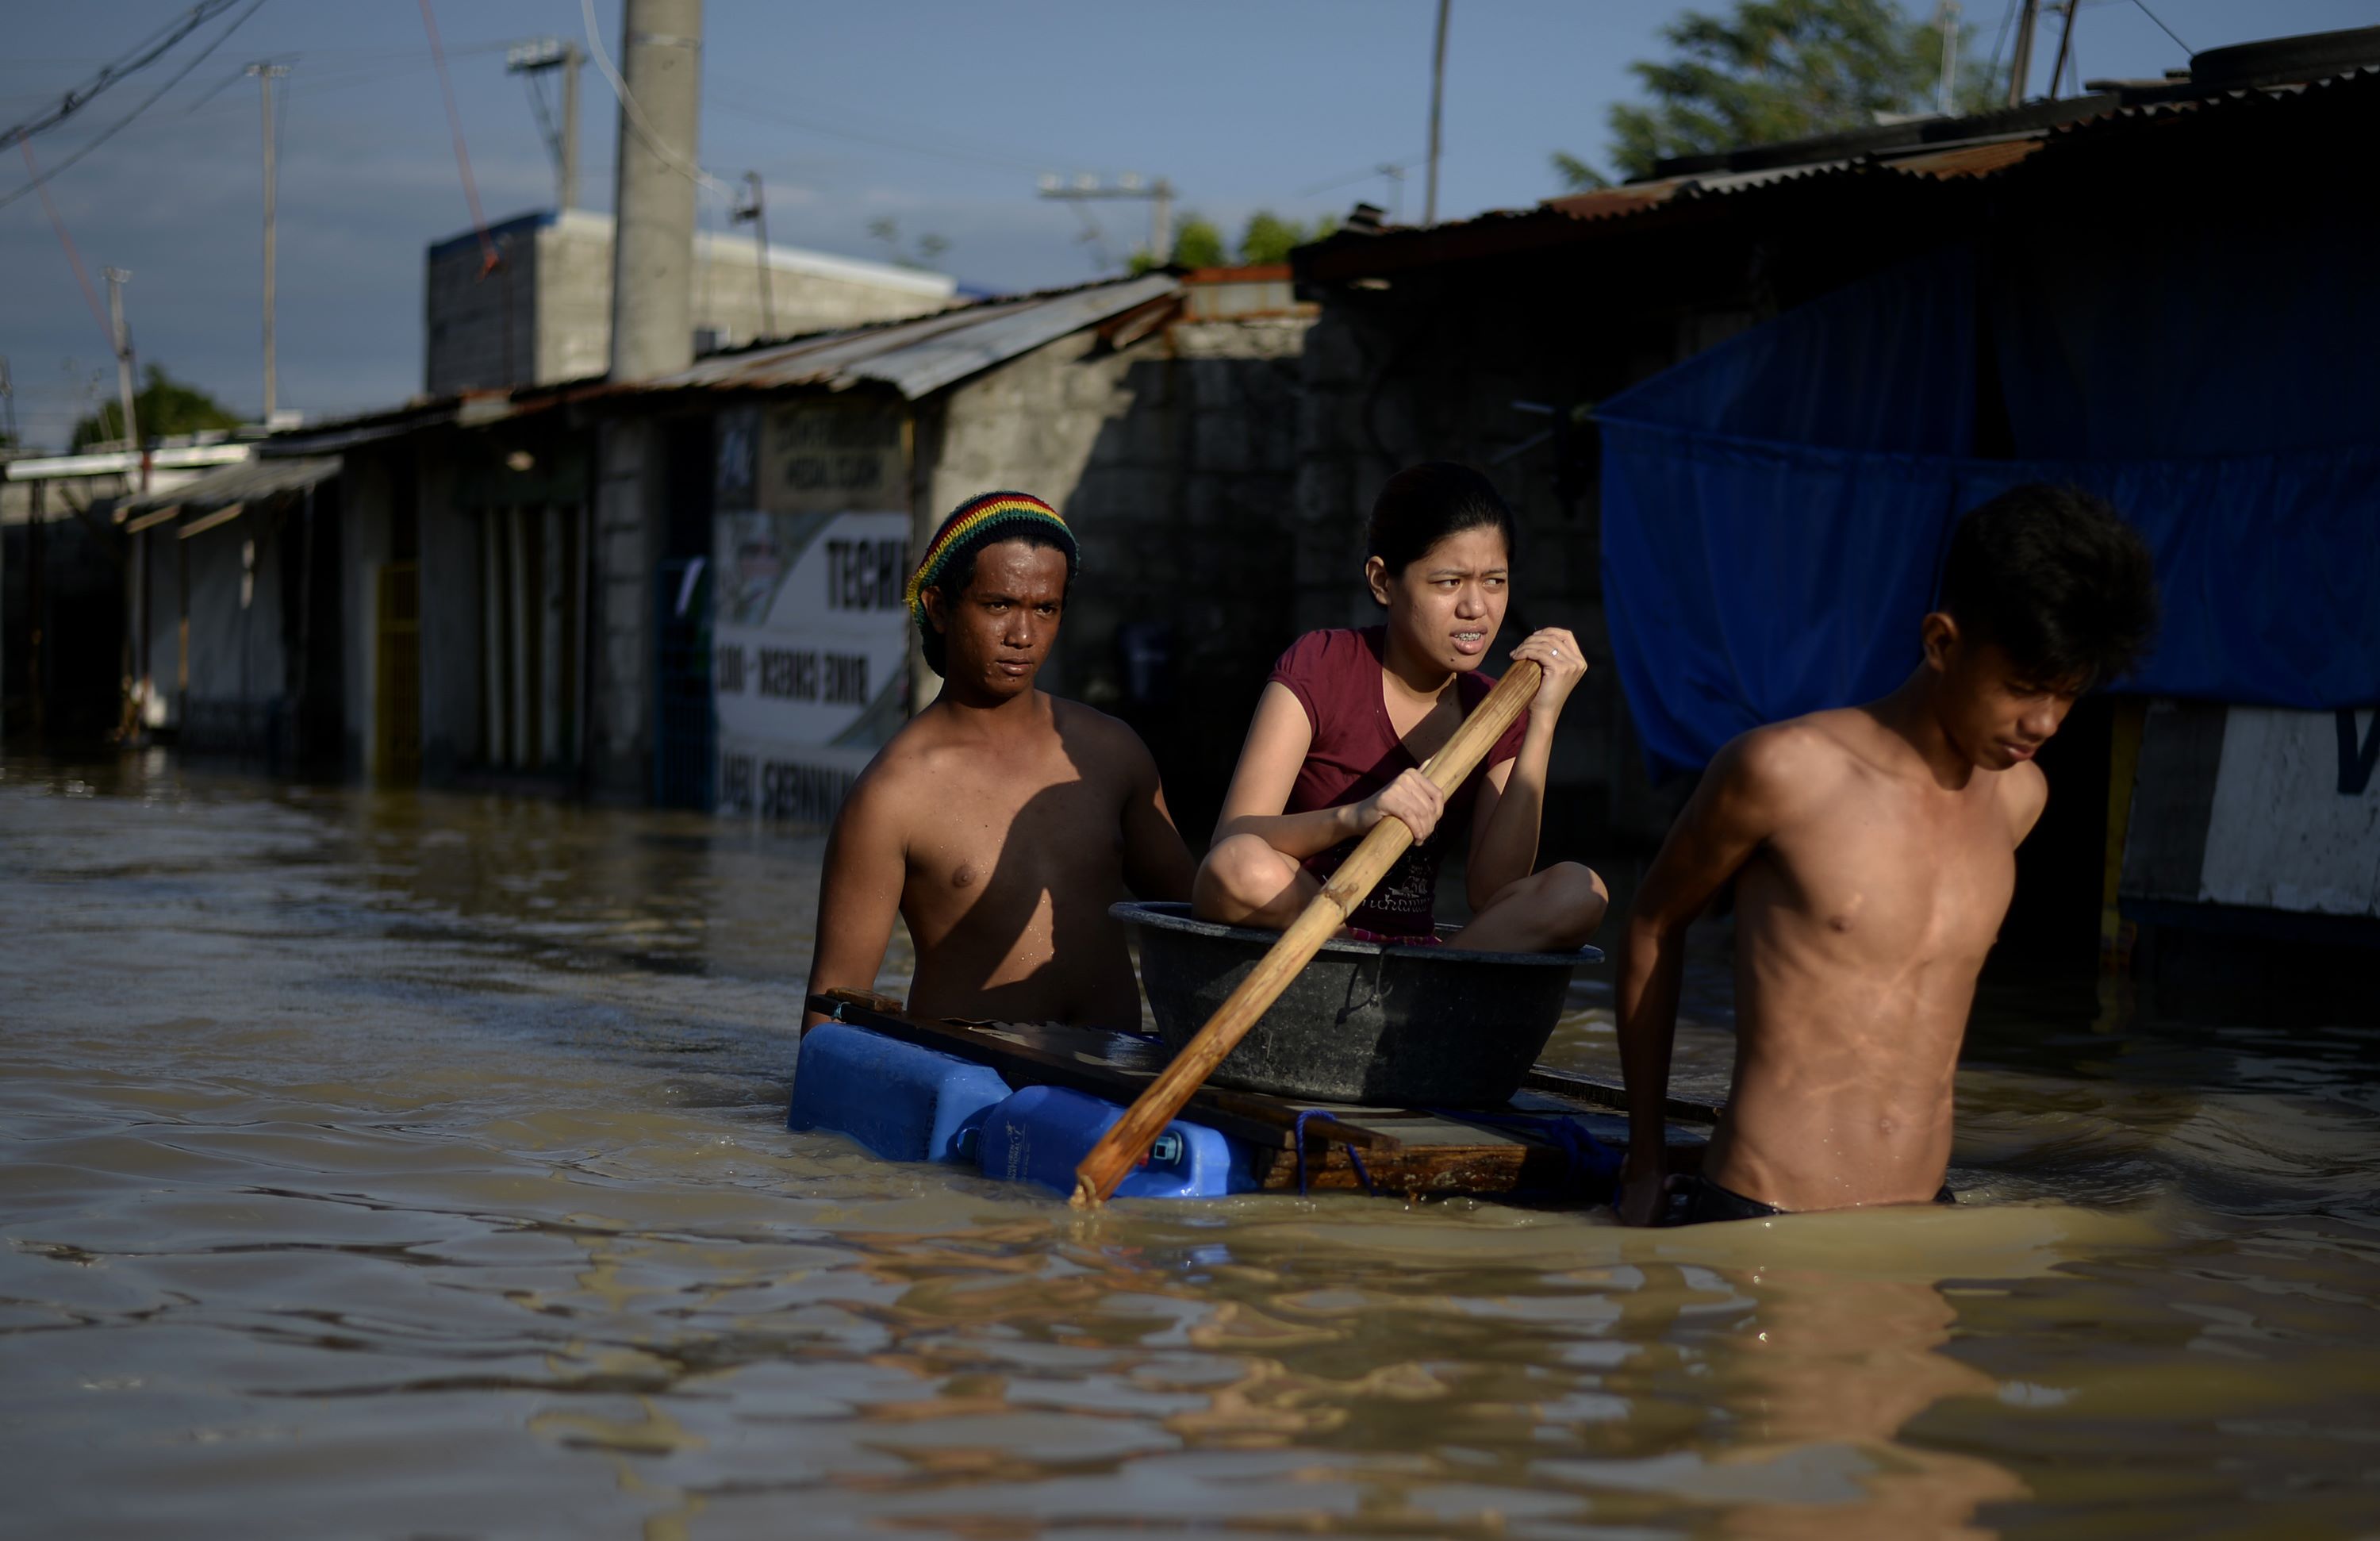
<point x="115" y="277"/>
<point x="265" y="75"/>
<point x="539" y="57"/>
<point x="652" y="252"/>
<point x="2020" y="67"/>
<point x="1945" y="92"/>
<point x="1159" y="194"/>
<point x="1436" y="104"/>
<point x="755" y="214"/>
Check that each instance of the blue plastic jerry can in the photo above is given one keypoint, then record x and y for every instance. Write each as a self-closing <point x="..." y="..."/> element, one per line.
<point x="903" y="1102"/>
<point x="1041" y="1134"/>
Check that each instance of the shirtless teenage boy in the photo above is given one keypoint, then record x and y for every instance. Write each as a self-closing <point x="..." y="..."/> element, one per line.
<point x="999" y="822"/>
<point x="1873" y="852"/>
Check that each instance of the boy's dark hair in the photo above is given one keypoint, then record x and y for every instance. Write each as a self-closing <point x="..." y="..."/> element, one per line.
<point x="958" y="572"/>
<point x="2051" y="575"/>
<point x="1423" y="505"/>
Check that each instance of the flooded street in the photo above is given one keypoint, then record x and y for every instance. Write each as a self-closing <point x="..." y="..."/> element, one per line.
<point x="405" y="1164"/>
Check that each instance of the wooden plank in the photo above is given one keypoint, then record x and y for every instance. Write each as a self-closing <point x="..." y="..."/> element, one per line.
<point x="1600" y="1092"/>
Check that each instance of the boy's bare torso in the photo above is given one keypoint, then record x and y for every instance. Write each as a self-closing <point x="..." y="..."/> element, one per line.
<point x="1861" y="927"/>
<point x="1013" y="850"/>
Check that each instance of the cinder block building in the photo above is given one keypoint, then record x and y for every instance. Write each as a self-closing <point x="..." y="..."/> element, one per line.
<point x="542" y="312"/>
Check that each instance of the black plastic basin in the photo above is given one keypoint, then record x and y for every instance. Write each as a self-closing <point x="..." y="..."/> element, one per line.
<point x="1382" y="1025"/>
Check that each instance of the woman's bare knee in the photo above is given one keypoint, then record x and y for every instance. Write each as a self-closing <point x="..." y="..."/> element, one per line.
<point x="1575" y="899"/>
<point x="1241" y="879"/>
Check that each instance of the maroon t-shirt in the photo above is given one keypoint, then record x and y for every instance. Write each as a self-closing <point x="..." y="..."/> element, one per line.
<point x="1336" y="676"/>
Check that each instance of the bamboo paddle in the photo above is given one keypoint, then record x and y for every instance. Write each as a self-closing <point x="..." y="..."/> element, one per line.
<point x="1121" y="1148"/>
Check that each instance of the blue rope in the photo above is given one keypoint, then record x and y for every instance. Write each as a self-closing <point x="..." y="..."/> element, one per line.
<point x="1297" y="1138"/>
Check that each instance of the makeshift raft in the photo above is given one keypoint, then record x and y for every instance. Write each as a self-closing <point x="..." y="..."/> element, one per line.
<point x="1025" y="1103"/>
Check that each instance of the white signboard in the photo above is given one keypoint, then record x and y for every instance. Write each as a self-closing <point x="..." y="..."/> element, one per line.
<point x="809" y="656"/>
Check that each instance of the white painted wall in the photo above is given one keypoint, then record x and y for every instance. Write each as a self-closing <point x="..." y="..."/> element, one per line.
<point x="2282" y="835"/>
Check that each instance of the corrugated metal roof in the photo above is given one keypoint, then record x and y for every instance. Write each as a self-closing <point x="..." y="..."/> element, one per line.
<point x="918" y="358"/>
<point x="1995" y="144"/>
<point x="246" y="484"/>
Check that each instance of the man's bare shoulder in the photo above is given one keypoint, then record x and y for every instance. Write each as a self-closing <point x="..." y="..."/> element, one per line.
<point x="902" y="772"/>
<point x="2024" y="792"/>
<point x="1785" y="762"/>
<point x="1102" y="744"/>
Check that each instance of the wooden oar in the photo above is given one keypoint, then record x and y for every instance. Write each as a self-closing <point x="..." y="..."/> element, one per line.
<point x="1121" y="1148"/>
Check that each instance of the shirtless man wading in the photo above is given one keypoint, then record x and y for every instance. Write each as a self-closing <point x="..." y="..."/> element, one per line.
<point x="1874" y="852"/>
<point x="999" y="822"/>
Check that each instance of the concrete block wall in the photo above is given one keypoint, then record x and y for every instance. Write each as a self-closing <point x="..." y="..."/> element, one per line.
<point x="807" y="293"/>
<point x="1171" y="459"/>
<point x="556" y="281"/>
<point x="466" y="311"/>
<point x="630" y="482"/>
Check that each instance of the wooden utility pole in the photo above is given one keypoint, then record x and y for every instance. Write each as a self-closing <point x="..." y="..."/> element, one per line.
<point x="2020" y="67"/>
<point x="265" y="75"/>
<point x="1436" y="104"/>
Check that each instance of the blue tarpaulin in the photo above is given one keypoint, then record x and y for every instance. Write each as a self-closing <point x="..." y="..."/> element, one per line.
<point x="1774" y="510"/>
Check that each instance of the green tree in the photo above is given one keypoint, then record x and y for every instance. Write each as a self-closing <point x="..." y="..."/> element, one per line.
<point x="1197" y="244"/>
<point x="1268" y="238"/>
<point x="165" y="407"/>
<point x="1777" y="70"/>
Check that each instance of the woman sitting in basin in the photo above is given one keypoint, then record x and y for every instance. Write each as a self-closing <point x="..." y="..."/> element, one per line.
<point x="1348" y="717"/>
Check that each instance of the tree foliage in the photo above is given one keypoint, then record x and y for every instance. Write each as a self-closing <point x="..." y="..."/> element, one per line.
<point x="164" y="405"/>
<point x="1198" y="241"/>
<point x="1268" y="238"/>
<point x="1776" y="71"/>
<point x="1197" y="244"/>
<point x="929" y="247"/>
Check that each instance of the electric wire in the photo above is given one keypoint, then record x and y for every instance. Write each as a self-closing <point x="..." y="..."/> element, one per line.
<point x="120" y="124"/>
<point x="636" y="114"/>
<point x="462" y="154"/>
<point x="2163" y="28"/>
<point x="116" y="70"/>
<point x="1992" y="70"/>
<point x="82" y="274"/>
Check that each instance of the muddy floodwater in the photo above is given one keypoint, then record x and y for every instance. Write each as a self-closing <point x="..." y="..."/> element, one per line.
<point x="414" y="1164"/>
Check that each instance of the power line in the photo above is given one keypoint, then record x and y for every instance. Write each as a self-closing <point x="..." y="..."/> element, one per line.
<point x="120" y="124"/>
<point x="148" y="54"/>
<point x="2163" y="28"/>
<point x="462" y="155"/>
<point x="893" y="133"/>
<point x="636" y="114"/>
<point x="2000" y="41"/>
<point x="82" y="274"/>
<point x="912" y="147"/>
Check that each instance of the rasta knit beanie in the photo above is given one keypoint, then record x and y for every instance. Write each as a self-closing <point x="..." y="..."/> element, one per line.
<point x="978" y="523"/>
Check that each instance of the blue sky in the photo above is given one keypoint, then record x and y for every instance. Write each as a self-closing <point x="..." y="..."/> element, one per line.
<point x="938" y="114"/>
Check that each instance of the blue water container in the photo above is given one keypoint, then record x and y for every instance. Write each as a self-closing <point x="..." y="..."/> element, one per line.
<point x="901" y="1101"/>
<point x="1040" y="1135"/>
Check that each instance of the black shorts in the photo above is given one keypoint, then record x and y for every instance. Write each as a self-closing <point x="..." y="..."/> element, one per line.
<point x="1696" y="1200"/>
